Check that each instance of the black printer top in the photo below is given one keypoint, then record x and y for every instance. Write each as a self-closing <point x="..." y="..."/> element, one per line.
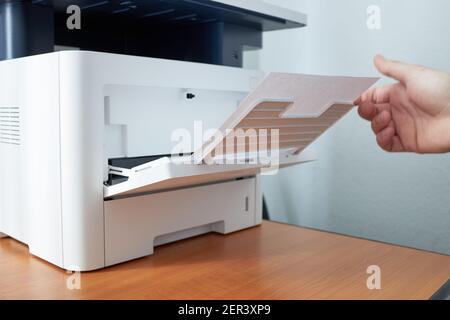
<point x="256" y="14"/>
<point x="206" y="31"/>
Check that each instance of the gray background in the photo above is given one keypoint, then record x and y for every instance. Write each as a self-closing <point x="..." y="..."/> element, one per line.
<point x="355" y="188"/>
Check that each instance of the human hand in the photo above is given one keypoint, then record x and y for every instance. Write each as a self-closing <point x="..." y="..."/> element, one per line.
<point x="412" y="115"/>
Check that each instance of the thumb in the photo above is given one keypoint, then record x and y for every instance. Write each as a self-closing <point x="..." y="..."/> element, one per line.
<point x="397" y="70"/>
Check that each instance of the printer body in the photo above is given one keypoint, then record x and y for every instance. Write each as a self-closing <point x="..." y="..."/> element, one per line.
<point x="91" y="169"/>
<point x="67" y="118"/>
<point x="65" y="115"/>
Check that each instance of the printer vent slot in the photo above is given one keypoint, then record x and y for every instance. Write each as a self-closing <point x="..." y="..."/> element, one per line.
<point x="10" y="125"/>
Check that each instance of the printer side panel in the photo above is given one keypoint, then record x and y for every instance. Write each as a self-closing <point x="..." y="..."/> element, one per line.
<point x="30" y="185"/>
<point x="82" y="168"/>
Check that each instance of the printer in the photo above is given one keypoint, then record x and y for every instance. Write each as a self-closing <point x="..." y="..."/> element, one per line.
<point x="148" y="130"/>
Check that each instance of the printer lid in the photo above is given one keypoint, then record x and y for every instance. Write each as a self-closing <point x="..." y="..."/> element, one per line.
<point x="297" y="108"/>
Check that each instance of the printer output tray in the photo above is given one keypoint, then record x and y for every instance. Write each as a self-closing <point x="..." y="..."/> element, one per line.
<point x="172" y="173"/>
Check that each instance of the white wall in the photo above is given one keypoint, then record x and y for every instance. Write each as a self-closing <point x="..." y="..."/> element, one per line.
<point x="355" y="188"/>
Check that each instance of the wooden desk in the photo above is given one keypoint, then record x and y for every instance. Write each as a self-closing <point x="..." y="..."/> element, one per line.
<point x="274" y="261"/>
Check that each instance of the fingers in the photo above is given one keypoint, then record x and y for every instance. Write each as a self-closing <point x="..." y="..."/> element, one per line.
<point x="397" y="145"/>
<point x="393" y="69"/>
<point x="381" y="95"/>
<point x="367" y="111"/>
<point x="370" y="101"/>
<point x="381" y="121"/>
<point x="385" y="138"/>
<point x="389" y="141"/>
<point x="383" y="126"/>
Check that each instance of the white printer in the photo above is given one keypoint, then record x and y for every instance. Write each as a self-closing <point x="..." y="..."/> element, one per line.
<point x="100" y="155"/>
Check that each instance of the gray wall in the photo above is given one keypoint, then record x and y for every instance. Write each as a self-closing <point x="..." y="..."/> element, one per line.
<point x="355" y="188"/>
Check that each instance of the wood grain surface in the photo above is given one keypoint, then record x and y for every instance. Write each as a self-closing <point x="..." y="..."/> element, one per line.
<point x="274" y="261"/>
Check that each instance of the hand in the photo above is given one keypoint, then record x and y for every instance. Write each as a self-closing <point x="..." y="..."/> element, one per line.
<point x="412" y="115"/>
